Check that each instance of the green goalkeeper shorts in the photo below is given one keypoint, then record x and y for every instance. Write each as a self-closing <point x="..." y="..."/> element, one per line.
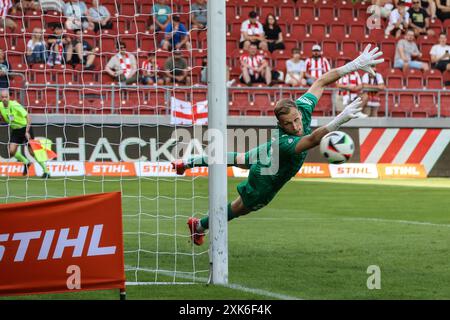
<point x="257" y="191"/>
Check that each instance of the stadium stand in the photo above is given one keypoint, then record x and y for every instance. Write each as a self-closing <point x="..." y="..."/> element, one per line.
<point x="338" y="26"/>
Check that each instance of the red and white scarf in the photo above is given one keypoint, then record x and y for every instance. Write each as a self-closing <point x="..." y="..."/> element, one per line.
<point x="5" y="5"/>
<point x="125" y="64"/>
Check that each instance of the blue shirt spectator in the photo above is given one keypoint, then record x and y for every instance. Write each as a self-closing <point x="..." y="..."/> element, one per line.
<point x="176" y="35"/>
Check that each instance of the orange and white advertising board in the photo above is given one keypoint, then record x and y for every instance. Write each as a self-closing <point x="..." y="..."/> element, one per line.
<point x="60" y="245"/>
<point x="354" y="170"/>
<point x="110" y="169"/>
<point x="62" y="168"/>
<point x="13" y="169"/>
<point x="314" y="170"/>
<point x="154" y="169"/>
<point x="389" y="171"/>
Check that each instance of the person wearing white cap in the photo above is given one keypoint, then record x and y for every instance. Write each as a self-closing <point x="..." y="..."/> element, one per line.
<point x="316" y="66"/>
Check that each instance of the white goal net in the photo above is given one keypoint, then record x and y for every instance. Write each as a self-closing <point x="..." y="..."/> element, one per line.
<point x="102" y="83"/>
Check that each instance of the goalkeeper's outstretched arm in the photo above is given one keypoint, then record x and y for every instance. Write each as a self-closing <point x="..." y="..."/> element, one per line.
<point x="312" y="140"/>
<point x="364" y="62"/>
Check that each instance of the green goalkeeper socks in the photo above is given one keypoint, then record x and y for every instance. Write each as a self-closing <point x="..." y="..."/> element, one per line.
<point x="19" y="156"/>
<point x="202" y="161"/>
<point x="204" y="222"/>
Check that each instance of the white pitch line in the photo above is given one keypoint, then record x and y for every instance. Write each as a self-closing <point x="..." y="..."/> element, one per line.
<point x="419" y="223"/>
<point x="234" y="286"/>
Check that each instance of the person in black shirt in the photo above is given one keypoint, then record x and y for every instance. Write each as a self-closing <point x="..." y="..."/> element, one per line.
<point x="83" y="52"/>
<point x="420" y="20"/>
<point x="273" y="34"/>
<point x="4" y="69"/>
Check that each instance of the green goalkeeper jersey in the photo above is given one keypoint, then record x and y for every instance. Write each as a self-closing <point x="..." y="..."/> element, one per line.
<point x="276" y="160"/>
<point x="15" y="115"/>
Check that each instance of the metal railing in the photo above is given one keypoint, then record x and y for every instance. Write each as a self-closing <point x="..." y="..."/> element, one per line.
<point x="278" y="91"/>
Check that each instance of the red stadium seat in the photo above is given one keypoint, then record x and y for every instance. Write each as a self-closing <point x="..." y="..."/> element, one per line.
<point x="426" y="107"/>
<point x="326" y="13"/>
<point x="330" y="48"/>
<point x="298" y="30"/>
<point x="345" y="15"/>
<point x="394" y="82"/>
<point x="244" y="10"/>
<point x="318" y="31"/>
<point x="325" y="105"/>
<point x="433" y="80"/>
<point x="307" y="47"/>
<point x="289" y="45"/>
<point x="338" y="31"/>
<point x="127" y="9"/>
<point x="307" y="14"/>
<point x="357" y="32"/>
<point x="388" y="47"/>
<point x="289" y="13"/>
<point x="349" y="48"/>
<point x="280" y="58"/>
<point x="445" y="105"/>
<point x="266" y="10"/>
<point x="414" y="82"/>
<point x="240" y="99"/>
<point x="261" y="100"/>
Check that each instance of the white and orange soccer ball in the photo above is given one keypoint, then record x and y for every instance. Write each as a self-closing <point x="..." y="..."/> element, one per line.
<point x="337" y="147"/>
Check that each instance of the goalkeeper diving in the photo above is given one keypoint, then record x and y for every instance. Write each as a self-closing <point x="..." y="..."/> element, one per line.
<point x="19" y="121"/>
<point x="289" y="146"/>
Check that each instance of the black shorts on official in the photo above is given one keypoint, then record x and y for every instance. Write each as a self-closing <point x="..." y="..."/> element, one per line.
<point x="18" y="135"/>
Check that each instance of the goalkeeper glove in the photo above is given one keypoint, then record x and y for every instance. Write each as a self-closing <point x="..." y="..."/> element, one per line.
<point x="363" y="62"/>
<point x="350" y="112"/>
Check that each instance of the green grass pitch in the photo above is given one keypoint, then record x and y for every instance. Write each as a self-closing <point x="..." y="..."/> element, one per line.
<point x="314" y="241"/>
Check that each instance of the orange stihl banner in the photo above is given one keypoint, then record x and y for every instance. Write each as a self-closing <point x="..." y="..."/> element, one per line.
<point x="314" y="170"/>
<point x="164" y="169"/>
<point x="61" y="245"/>
<point x="388" y="171"/>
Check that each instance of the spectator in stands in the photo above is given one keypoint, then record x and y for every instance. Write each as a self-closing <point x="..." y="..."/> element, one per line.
<point x="349" y="87"/>
<point x="122" y="66"/>
<point x="176" y="69"/>
<point x="406" y="53"/>
<point x="150" y="71"/>
<point x="420" y="19"/>
<point x="372" y="85"/>
<point x="316" y="66"/>
<point x="443" y="9"/>
<point x="83" y="52"/>
<point x="198" y="15"/>
<point x="76" y="16"/>
<point x="295" y="70"/>
<point x="383" y="7"/>
<point x="398" y="21"/>
<point x="160" y="13"/>
<point x="25" y="5"/>
<point x="60" y="47"/>
<point x="99" y="16"/>
<point x="273" y="34"/>
<point x="5" y="22"/>
<point x="4" y="69"/>
<point x="36" y="48"/>
<point x="440" y="54"/>
<point x="252" y="32"/>
<point x="430" y="6"/>
<point x="51" y="5"/>
<point x="255" y="68"/>
<point x="177" y="36"/>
